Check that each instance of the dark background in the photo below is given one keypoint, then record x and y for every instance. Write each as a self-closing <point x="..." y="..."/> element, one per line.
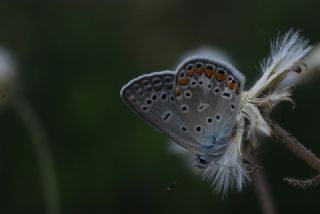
<point x="73" y="58"/>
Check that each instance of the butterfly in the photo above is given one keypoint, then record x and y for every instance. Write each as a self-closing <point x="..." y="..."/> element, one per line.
<point x="195" y="105"/>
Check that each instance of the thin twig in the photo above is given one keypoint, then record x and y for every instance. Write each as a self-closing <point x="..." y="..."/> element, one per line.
<point x="294" y="146"/>
<point x="261" y="186"/>
<point x="315" y="181"/>
<point x="42" y="152"/>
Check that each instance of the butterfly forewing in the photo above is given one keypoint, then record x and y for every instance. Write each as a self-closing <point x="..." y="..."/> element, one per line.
<point x="152" y="97"/>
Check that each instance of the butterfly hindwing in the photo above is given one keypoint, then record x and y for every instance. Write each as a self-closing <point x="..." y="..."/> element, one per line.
<point x="151" y="96"/>
<point x="208" y="96"/>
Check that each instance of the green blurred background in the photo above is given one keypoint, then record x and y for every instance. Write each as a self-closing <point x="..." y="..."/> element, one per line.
<point x="73" y="58"/>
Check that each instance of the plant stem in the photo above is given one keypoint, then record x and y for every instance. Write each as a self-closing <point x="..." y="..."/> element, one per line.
<point x="261" y="186"/>
<point x="42" y="151"/>
<point x="304" y="183"/>
<point x="294" y="146"/>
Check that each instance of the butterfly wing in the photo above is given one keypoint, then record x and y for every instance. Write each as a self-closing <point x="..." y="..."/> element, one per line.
<point x="152" y="97"/>
<point x="207" y="95"/>
<point x="196" y="106"/>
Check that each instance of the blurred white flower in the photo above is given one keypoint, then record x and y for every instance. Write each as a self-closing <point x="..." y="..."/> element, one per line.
<point x="312" y="59"/>
<point x="8" y="73"/>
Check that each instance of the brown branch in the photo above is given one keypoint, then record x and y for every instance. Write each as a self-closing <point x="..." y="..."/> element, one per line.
<point x="294" y="146"/>
<point x="261" y="185"/>
<point x="315" y="181"/>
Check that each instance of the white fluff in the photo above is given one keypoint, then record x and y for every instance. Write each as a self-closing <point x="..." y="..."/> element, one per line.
<point x="227" y="172"/>
<point x="285" y="51"/>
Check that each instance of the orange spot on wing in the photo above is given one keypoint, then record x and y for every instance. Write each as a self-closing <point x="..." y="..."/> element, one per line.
<point x="209" y="73"/>
<point x="232" y="85"/>
<point x="199" y="70"/>
<point x="237" y="90"/>
<point x="178" y="92"/>
<point x="220" y="77"/>
<point x="190" y="72"/>
<point x="183" y="81"/>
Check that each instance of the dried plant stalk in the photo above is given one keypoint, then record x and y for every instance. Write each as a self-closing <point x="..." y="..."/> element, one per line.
<point x="294" y="146"/>
<point x="261" y="185"/>
<point x="315" y="181"/>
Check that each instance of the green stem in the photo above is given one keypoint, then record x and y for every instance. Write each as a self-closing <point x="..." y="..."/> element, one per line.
<point x="43" y="153"/>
